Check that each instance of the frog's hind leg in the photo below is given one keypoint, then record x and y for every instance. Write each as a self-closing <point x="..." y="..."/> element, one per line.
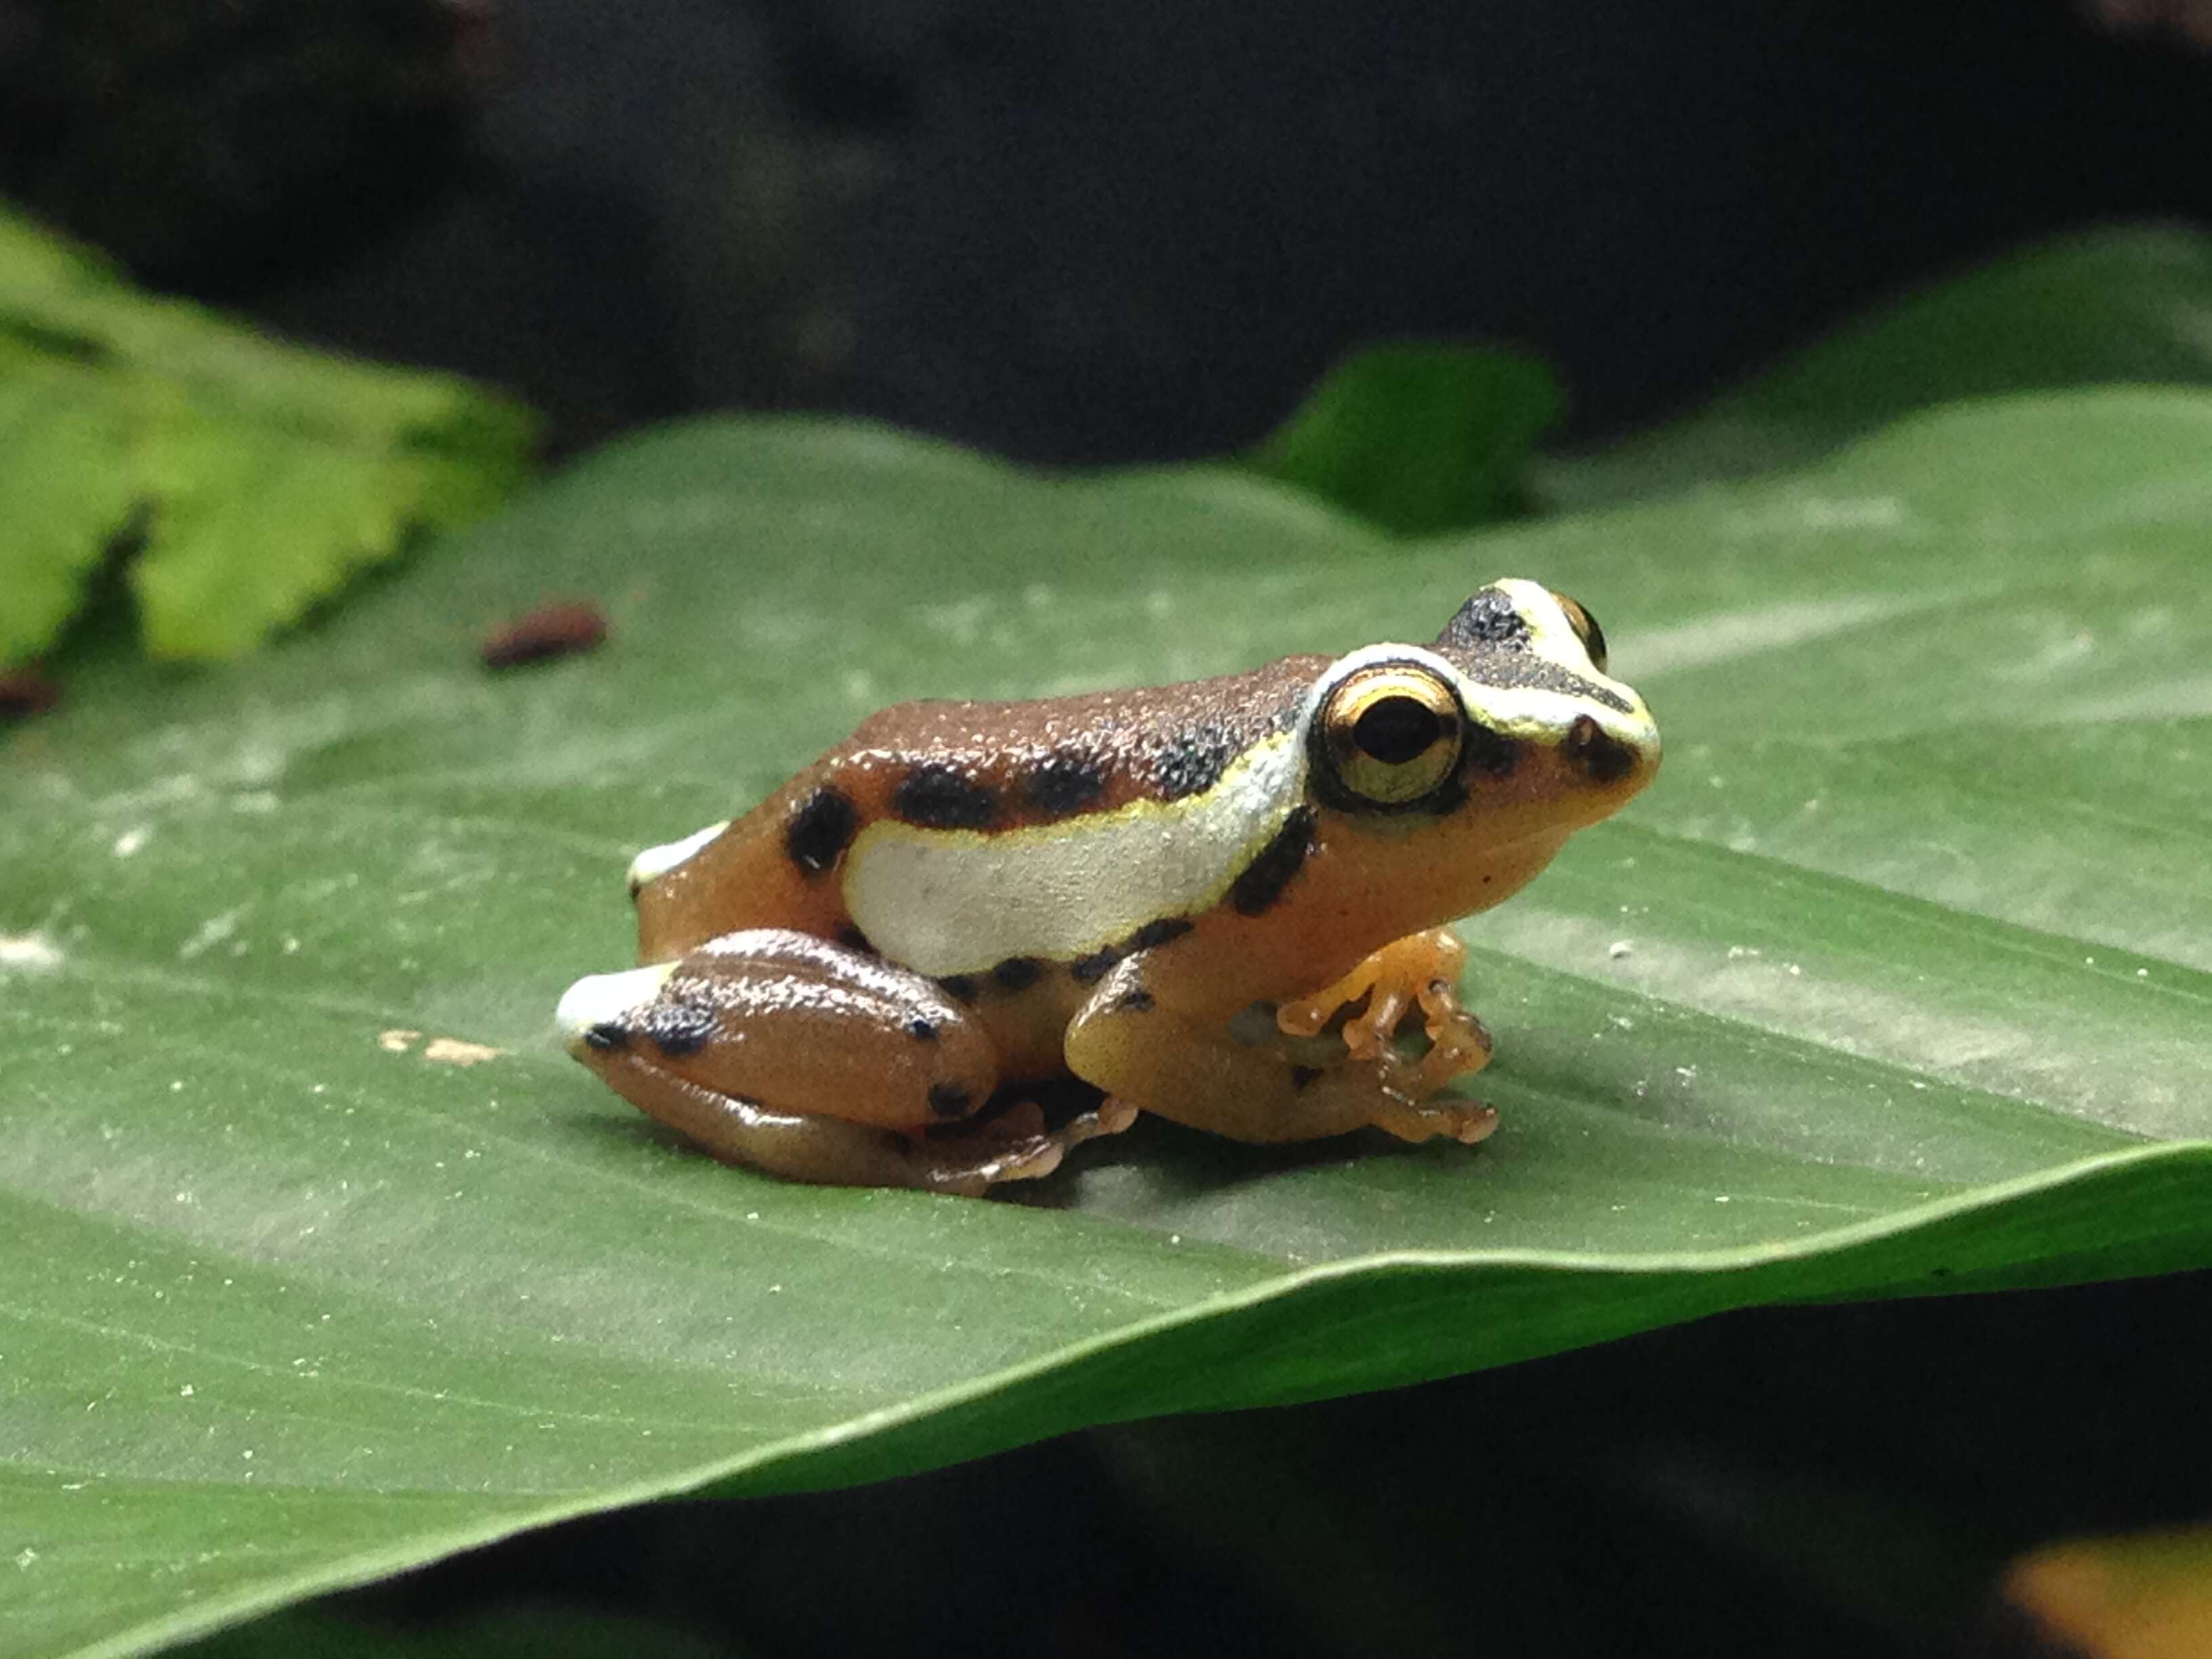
<point x="792" y="1054"/>
<point x="831" y="1150"/>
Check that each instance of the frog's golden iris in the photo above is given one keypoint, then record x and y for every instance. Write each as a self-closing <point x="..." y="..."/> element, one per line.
<point x="1580" y="618"/>
<point x="1392" y="732"/>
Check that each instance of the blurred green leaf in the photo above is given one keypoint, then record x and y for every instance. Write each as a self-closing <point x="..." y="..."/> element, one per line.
<point x="2128" y="304"/>
<point x="1897" y="981"/>
<point x="1417" y="438"/>
<point x="261" y="475"/>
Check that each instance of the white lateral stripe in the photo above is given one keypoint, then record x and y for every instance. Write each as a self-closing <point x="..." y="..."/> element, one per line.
<point x="959" y="901"/>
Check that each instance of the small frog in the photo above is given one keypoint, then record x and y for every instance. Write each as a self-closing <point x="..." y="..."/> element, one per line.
<point x="1218" y="901"/>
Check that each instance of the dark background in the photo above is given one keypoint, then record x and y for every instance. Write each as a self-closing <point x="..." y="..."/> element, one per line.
<point x="1076" y="232"/>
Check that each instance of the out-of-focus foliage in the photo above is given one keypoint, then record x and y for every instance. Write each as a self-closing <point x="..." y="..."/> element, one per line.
<point x="1425" y="438"/>
<point x="251" y="477"/>
<point x="2124" y="306"/>
<point x="1417" y="438"/>
<point x="200" y="138"/>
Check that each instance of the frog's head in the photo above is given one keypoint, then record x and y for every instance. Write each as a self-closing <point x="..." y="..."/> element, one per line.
<point x="1488" y="747"/>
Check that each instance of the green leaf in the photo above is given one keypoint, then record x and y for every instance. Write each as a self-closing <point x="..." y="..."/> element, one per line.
<point x="1417" y="438"/>
<point x="2126" y="304"/>
<point x="262" y="474"/>
<point x="1896" y="981"/>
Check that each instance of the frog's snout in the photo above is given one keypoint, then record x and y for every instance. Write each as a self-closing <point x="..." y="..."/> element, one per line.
<point x="598" y="1012"/>
<point x="1610" y="759"/>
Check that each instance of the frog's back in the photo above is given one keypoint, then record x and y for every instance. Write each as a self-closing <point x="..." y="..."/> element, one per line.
<point x="953" y="829"/>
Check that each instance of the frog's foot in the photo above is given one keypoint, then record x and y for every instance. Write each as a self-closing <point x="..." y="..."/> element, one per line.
<point x="1015" y="1145"/>
<point x="1464" y="1120"/>
<point x="1419" y="971"/>
<point x="1110" y="1117"/>
<point x="1105" y="1116"/>
<point x="830" y="1150"/>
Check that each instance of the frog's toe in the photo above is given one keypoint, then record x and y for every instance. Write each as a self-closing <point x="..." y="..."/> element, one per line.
<point x="1112" y="1115"/>
<point x="1465" y="1121"/>
<point x="971" y="1167"/>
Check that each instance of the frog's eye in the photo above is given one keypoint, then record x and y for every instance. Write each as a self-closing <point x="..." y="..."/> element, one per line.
<point x="1586" y="630"/>
<point x="1392" y="732"/>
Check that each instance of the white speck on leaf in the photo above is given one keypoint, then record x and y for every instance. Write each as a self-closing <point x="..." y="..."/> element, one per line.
<point x="130" y="840"/>
<point x="211" y="932"/>
<point x="1619" y="948"/>
<point x="29" y="951"/>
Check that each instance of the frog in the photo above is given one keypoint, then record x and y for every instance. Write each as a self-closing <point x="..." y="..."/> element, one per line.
<point x="1223" y="901"/>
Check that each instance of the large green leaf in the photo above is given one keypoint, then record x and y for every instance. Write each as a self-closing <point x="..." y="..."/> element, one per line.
<point x="1897" y="980"/>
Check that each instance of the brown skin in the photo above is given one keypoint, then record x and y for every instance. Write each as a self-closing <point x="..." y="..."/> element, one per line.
<point x="1130" y="741"/>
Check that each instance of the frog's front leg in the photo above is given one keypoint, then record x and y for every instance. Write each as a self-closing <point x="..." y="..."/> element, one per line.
<point x="1145" y="1045"/>
<point x="1420" y="970"/>
<point x="784" y="1052"/>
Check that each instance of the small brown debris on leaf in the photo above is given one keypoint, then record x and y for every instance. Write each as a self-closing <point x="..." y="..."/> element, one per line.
<point x="453" y="1051"/>
<point x="557" y="629"/>
<point x="27" y="692"/>
<point x="440" y="1050"/>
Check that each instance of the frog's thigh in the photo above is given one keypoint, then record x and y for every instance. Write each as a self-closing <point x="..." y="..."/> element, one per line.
<point x="1130" y="1040"/>
<point x="792" y="1022"/>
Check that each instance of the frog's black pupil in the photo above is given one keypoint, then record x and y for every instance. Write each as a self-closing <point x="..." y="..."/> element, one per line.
<point x="1395" y="729"/>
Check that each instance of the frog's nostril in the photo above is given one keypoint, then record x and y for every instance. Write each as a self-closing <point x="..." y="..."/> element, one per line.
<point x="1600" y="756"/>
<point x="605" y="1036"/>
